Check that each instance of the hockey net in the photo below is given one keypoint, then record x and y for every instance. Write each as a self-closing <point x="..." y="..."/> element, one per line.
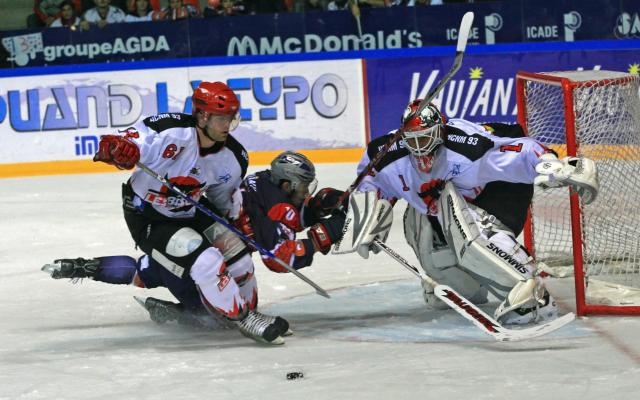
<point x="594" y="114"/>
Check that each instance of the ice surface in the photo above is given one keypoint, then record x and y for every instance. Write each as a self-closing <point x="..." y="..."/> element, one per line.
<point x="371" y="340"/>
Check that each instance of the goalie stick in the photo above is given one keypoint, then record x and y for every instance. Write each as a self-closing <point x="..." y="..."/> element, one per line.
<point x="463" y="35"/>
<point x="473" y="313"/>
<point x="232" y="228"/>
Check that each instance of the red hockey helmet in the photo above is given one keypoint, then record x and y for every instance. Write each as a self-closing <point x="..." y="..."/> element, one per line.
<point x="423" y="133"/>
<point x="218" y="100"/>
<point x="215" y="98"/>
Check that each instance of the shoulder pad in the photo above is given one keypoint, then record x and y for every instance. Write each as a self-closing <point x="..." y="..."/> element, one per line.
<point x="395" y="152"/>
<point x="165" y="121"/>
<point x="239" y="152"/>
<point x="472" y="147"/>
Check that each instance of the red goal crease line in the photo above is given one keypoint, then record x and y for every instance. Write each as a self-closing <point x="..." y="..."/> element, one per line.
<point x="66" y="167"/>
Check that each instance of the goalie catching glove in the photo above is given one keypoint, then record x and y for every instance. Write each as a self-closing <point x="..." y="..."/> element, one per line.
<point x="118" y="151"/>
<point x="579" y="173"/>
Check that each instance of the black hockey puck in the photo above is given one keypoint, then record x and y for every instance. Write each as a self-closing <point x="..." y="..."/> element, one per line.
<point x="294" y="375"/>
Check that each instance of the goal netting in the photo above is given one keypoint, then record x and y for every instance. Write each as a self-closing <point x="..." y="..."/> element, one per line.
<point x="594" y="114"/>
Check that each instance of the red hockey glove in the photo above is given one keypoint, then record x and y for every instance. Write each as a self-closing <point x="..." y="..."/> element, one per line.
<point x="118" y="151"/>
<point x="327" y="232"/>
<point x="430" y="193"/>
<point x="324" y="202"/>
<point x="243" y="223"/>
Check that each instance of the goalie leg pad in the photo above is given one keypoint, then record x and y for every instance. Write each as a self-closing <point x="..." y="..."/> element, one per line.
<point x="490" y="254"/>
<point x="438" y="261"/>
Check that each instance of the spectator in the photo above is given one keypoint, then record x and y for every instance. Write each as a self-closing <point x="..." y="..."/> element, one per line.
<point x="142" y="11"/>
<point x="336" y="5"/>
<point x="124" y="5"/>
<point x="46" y="11"/>
<point x="224" y="8"/>
<point x="176" y="10"/>
<point x="68" y="16"/>
<point x="102" y="14"/>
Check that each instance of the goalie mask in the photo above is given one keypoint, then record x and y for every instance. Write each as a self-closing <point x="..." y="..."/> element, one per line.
<point x="299" y="171"/>
<point x="216" y="100"/>
<point x="422" y="134"/>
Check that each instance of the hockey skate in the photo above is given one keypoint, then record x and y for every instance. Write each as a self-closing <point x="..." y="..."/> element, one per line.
<point x="263" y="328"/>
<point x="162" y="311"/>
<point x="543" y="309"/>
<point x="431" y="300"/>
<point x="72" y="268"/>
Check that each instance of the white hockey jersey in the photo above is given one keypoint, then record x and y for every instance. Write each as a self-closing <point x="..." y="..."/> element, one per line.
<point x="169" y="146"/>
<point x="471" y="157"/>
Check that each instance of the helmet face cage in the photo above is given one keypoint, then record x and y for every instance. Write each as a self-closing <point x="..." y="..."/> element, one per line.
<point x="422" y="134"/>
<point x="298" y="170"/>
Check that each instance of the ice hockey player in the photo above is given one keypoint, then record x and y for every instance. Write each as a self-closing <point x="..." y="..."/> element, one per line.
<point x="468" y="188"/>
<point x="276" y="205"/>
<point x="197" y="154"/>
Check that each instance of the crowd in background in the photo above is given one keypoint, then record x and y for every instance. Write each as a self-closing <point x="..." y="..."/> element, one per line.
<point x="84" y="14"/>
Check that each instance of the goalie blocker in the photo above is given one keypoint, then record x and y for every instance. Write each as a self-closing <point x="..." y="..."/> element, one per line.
<point x="368" y="218"/>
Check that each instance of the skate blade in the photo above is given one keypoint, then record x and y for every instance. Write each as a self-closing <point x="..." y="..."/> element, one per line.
<point x="279" y="341"/>
<point x="289" y="332"/>
<point x="141" y="301"/>
<point x="50" y="268"/>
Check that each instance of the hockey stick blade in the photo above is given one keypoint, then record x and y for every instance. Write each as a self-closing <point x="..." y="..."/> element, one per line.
<point x="472" y="312"/>
<point x="492" y="327"/>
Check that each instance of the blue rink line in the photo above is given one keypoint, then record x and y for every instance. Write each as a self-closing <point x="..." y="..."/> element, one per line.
<point x="388" y="312"/>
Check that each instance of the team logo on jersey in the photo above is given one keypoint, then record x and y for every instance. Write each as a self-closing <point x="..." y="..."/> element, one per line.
<point x="166" y="198"/>
<point x="455" y="170"/>
<point x="225" y="178"/>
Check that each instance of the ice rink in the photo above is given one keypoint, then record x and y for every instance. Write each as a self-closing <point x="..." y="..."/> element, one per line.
<point x="372" y="340"/>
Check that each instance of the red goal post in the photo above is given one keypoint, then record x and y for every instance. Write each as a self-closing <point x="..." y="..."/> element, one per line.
<point x="594" y="114"/>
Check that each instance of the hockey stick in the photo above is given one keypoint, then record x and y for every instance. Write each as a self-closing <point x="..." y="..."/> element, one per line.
<point x="473" y="313"/>
<point x="232" y="228"/>
<point x="463" y="35"/>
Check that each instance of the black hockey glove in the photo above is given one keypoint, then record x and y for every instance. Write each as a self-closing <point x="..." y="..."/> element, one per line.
<point x="327" y="232"/>
<point x="325" y="202"/>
